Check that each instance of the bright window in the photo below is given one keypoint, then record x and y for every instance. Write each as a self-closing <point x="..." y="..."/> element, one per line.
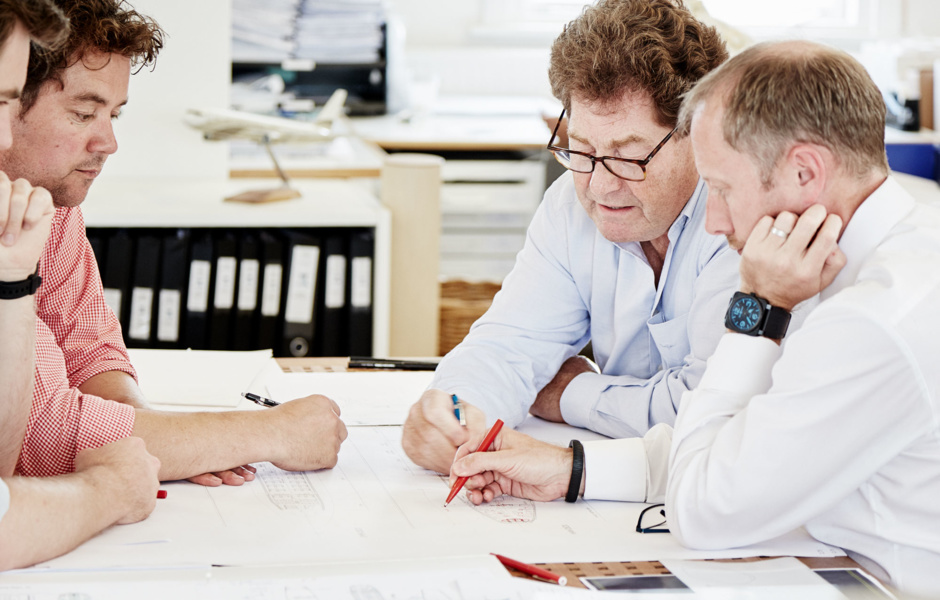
<point x="814" y="19"/>
<point x="794" y="13"/>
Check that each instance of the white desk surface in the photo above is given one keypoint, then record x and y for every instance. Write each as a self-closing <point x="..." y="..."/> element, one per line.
<point x="344" y="156"/>
<point x="454" y="132"/>
<point x="175" y="202"/>
<point x="924" y="136"/>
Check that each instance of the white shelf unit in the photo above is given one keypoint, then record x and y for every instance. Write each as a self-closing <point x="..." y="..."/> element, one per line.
<point x="176" y="203"/>
<point x="486" y="207"/>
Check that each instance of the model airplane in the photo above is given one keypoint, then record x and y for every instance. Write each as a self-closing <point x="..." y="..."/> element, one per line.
<point x="223" y="124"/>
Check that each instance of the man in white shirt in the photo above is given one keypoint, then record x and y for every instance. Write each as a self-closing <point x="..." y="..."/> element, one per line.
<point x="837" y="428"/>
<point x="117" y="483"/>
<point x="617" y="253"/>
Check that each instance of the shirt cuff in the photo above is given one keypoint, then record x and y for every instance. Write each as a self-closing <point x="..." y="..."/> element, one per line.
<point x="102" y="422"/>
<point x="79" y="378"/>
<point x="615" y="470"/>
<point x="579" y="400"/>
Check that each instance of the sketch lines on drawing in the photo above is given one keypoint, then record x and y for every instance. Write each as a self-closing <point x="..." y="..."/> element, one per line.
<point x="288" y="490"/>
<point x="502" y="509"/>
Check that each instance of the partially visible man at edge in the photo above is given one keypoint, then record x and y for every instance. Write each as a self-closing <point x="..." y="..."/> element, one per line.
<point x="43" y="518"/>
<point x="837" y="428"/>
<point x="616" y="254"/>
<point x="86" y="393"/>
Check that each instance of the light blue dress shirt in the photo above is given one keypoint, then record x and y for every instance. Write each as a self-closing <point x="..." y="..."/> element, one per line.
<point x="570" y="285"/>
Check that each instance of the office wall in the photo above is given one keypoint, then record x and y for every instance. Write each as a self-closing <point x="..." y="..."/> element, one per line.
<point x="193" y="70"/>
<point x="921" y="18"/>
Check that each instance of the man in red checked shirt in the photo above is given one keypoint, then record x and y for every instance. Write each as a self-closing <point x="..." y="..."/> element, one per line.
<point x="41" y="518"/>
<point x="86" y="394"/>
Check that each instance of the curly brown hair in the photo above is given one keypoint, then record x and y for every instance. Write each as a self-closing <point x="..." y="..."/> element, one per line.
<point x="776" y="94"/>
<point x="108" y="26"/>
<point x="620" y="46"/>
<point x="46" y="25"/>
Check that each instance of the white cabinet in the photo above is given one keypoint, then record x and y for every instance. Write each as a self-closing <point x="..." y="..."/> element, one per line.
<point x="486" y="207"/>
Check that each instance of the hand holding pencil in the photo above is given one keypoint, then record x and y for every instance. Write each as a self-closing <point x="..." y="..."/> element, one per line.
<point x="483" y="447"/>
<point x="516" y="465"/>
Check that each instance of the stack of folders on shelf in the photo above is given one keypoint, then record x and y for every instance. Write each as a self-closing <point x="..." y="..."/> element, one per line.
<point x="301" y="292"/>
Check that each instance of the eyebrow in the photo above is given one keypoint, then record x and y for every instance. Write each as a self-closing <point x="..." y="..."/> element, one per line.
<point x="93" y="97"/>
<point x="10" y="94"/>
<point x="625" y="141"/>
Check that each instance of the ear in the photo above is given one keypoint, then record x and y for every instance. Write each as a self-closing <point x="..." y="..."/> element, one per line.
<point x="809" y="172"/>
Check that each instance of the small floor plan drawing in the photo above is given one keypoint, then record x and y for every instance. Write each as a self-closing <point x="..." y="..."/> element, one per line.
<point x="288" y="490"/>
<point x="506" y="509"/>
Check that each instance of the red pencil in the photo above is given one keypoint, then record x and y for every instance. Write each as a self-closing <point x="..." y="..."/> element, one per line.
<point x="484" y="446"/>
<point x="532" y="570"/>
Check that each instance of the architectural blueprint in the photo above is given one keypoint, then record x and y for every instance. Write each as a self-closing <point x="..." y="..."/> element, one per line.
<point x="377" y="504"/>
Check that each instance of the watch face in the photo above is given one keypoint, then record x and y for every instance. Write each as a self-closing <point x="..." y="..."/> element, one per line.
<point x="745" y="313"/>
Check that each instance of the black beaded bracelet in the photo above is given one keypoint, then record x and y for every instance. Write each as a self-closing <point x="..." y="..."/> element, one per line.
<point x="577" y="471"/>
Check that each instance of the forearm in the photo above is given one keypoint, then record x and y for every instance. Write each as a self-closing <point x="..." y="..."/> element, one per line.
<point x="117" y="386"/>
<point x="50" y="516"/>
<point x="627" y="406"/>
<point x="190" y="444"/>
<point x="17" y="357"/>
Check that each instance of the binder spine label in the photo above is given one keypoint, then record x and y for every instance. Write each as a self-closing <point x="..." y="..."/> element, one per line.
<point x="112" y="297"/>
<point x="271" y="290"/>
<point x="168" y="316"/>
<point x="248" y="284"/>
<point x="335" y="292"/>
<point x="141" y="305"/>
<point x="199" y="276"/>
<point x="225" y="282"/>
<point x="361" y="284"/>
<point x="301" y="287"/>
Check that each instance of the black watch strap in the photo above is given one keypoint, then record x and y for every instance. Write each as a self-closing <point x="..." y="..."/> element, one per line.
<point x="577" y="471"/>
<point x="776" y="322"/>
<point x="11" y="290"/>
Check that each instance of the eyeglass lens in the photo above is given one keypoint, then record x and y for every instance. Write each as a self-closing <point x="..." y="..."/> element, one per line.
<point x="582" y="164"/>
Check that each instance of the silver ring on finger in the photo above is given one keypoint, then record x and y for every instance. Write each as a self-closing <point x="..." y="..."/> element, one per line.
<point x="779" y="233"/>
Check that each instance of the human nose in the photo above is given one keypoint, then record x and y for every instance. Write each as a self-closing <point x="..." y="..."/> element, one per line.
<point x="602" y="180"/>
<point x="103" y="141"/>
<point x="717" y="216"/>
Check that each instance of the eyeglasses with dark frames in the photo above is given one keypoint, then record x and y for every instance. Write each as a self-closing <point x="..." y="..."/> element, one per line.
<point x="631" y="169"/>
<point x="657" y="525"/>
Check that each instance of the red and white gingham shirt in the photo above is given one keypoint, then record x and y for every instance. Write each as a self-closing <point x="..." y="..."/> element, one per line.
<point x="77" y="337"/>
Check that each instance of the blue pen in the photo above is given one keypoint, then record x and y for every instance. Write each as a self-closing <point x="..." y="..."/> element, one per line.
<point x="459" y="410"/>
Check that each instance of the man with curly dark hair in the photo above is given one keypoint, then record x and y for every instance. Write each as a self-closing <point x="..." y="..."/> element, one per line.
<point x="86" y="393"/>
<point x="42" y="518"/>
<point x="616" y="255"/>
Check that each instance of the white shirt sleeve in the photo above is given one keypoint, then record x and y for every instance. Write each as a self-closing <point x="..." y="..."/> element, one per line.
<point x="4" y="498"/>
<point x="516" y="348"/>
<point x="769" y="441"/>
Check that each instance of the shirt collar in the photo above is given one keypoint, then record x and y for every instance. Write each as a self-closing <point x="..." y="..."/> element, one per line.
<point x="870" y="224"/>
